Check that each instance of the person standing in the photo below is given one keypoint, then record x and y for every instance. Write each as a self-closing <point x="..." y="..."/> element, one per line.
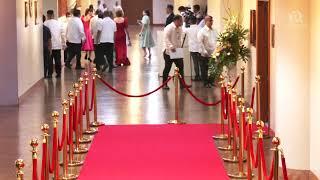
<point x="192" y="33"/>
<point x="173" y="40"/>
<point x="57" y="34"/>
<point x="75" y="37"/>
<point x="207" y="37"/>
<point x="64" y="20"/>
<point x="146" y="40"/>
<point x="121" y="39"/>
<point x="95" y="22"/>
<point x="170" y="14"/>
<point x="47" y="48"/>
<point x="105" y="36"/>
<point x="88" y="45"/>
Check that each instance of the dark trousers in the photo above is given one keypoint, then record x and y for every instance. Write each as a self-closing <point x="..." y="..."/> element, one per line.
<point x="65" y="54"/>
<point x="196" y="64"/>
<point x="99" y="58"/>
<point x="107" y="50"/>
<point x="46" y="62"/>
<point x="204" y="65"/>
<point x="74" y="50"/>
<point x="56" y="56"/>
<point x="168" y="63"/>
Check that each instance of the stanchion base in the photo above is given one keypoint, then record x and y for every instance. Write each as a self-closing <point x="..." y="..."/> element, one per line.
<point x="176" y="122"/>
<point x="69" y="177"/>
<point x="233" y="159"/>
<point x="91" y="131"/>
<point x="80" y="150"/>
<point x="85" y="140"/>
<point x="226" y="148"/>
<point x="97" y="124"/>
<point x="75" y="163"/>
<point x="265" y="136"/>
<point x="239" y="175"/>
<point x="220" y="137"/>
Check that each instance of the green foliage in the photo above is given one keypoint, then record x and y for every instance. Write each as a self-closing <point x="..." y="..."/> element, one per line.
<point x="230" y="48"/>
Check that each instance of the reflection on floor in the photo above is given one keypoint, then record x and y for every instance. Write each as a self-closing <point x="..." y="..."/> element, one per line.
<point x="19" y="124"/>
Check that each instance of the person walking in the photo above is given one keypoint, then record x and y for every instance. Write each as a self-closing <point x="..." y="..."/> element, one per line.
<point x="106" y="37"/>
<point x="58" y="41"/>
<point x="146" y="39"/>
<point x="88" y="45"/>
<point x="121" y="39"/>
<point x="47" y="49"/>
<point x="75" y="38"/>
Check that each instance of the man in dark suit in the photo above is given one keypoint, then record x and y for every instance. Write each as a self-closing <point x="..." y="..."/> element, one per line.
<point x="170" y="14"/>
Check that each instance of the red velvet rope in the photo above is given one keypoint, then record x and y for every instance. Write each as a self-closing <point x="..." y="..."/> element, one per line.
<point x="34" y="169"/>
<point x="64" y="131"/>
<point x="93" y="92"/>
<point x="234" y="118"/>
<point x="235" y="83"/>
<point x="54" y="151"/>
<point x="284" y="168"/>
<point x="263" y="161"/>
<point x="223" y="103"/>
<point x="85" y="99"/>
<point x="252" y="97"/>
<point x="244" y="126"/>
<point x="70" y="124"/>
<point x="270" y="177"/>
<point x="226" y="95"/>
<point x="44" y="160"/>
<point x="75" y="113"/>
<point x="135" y="96"/>
<point x="251" y="145"/>
<point x="196" y="98"/>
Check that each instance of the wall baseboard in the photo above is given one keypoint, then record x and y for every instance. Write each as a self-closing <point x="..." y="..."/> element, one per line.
<point x="28" y="92"/>
<point x="315" y="173"/>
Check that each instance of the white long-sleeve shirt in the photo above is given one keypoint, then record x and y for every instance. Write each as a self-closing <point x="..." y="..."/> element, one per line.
<point x="172" y="37"/>
<point x="192" y="33"/>
<point x="208" y="40"/>
<point x="57" y="33"/>
<point x="75" y="31"/>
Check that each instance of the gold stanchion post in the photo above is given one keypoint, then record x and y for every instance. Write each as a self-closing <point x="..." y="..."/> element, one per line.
<point x="249" y="143"/>
<point x="55" y="118"/>
<point x="72" y="162"/>
<point x="276" y="150"/>
<point x="176" y="98"/>
<point x="19" y="163"/>
<point x="65" y="174"/>
<point x="89" y="130"/>
<point x="82" y="139"/>
<point x="258" y="105"/>
<point x="260" y="126"/>
<point x="34" y="145"/>
<point x="234" y="158"/>
<point x="45" y="140"/>
<point x="229" y="97"/>
<point x="78" y="149"/>
<point x="242" y="81"/>
<point x="223" y="135"/>
<point x="241" y="174"/>
<point x="95" y="122"/>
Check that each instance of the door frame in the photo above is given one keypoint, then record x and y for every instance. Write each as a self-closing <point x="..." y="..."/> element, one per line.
<point x="265" y="112"/>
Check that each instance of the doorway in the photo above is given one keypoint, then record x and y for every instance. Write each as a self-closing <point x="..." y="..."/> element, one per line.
<point x="263" y="56"/>
<point x="133" y="9"/>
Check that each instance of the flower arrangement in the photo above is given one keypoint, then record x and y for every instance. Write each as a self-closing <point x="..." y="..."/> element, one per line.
<point x="230" y="48"/>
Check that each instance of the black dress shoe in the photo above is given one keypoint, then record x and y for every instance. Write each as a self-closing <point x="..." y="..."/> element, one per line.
<point x="104" y="68"/>
<point x="68" y="65"/>
<point x="166" y="87"/>
<point x="58" y="75"/>
<point x="49" y="76"/>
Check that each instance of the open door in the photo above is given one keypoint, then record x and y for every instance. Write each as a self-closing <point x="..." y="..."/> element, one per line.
<point x="133" y="9"/>
<point x="263" y="55"/>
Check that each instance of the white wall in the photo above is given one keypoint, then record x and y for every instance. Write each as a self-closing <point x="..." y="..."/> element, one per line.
<point x="50" y="4"/>
<point x="159" y="10"/>
<point x="314" y="86"/>
<point x="29" y="49"/>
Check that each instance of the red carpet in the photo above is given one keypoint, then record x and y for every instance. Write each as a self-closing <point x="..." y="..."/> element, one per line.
<point x="154" y="152"/>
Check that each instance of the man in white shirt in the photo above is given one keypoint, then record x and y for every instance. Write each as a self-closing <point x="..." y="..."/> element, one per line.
<point x="105" y="36"/>
<point x="94" y="23"/>
<point x="173" y="40"/>
<point x="192" y="33"/>
<point x="207" y="37"/>
<point x="58" y="42"/>
<point x="75" y="38"/>
<point x="64" y="20"/>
